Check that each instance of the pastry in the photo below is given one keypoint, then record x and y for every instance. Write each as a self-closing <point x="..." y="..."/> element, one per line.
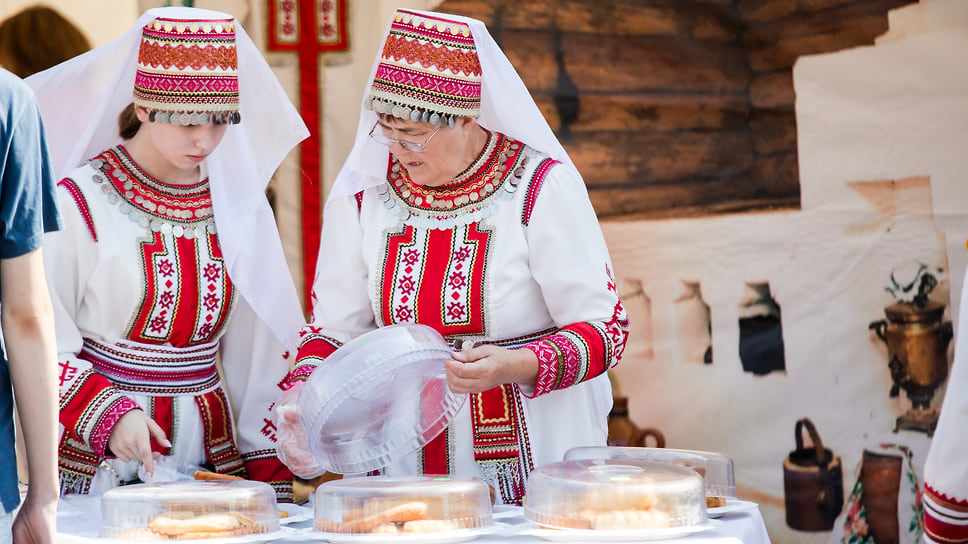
<point x="408" y="504"/>
<point x="715" y="502"/>
<point x="205" y="475"/>
<point x="177" y="525"/>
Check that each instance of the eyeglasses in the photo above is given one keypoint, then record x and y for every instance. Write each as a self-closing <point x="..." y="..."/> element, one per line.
<point x="409" y="146"/>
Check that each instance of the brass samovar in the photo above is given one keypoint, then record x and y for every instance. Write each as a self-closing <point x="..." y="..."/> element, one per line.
<point x="917" y="351"/>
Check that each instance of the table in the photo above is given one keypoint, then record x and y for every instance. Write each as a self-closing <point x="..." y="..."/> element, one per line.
<point x="745" y="527"/>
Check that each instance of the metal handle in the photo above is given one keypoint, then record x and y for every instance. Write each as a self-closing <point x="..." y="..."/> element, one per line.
<point x="880" y="328"/>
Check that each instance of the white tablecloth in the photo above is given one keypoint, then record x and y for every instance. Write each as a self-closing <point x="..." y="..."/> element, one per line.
<point x="78" y="523"/>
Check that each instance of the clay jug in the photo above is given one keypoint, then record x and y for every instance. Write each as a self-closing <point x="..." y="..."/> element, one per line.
<point x="880" y="477"/>
<point x="622" y="431"/>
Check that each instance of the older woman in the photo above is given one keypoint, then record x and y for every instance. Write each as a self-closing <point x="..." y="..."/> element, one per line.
<point x="458" y="209"/>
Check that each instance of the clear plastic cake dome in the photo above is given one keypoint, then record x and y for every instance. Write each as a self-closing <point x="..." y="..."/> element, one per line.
<point x="715" y="468"/>
<point x="385" y="505"/>
<point x="189" y="510"/>
<point x="378" y="398"/>
<point x="615" y="495"/>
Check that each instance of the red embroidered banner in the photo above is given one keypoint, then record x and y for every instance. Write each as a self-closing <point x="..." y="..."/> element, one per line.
<point x="309" y="27"/>
<point x="313" y="25"/>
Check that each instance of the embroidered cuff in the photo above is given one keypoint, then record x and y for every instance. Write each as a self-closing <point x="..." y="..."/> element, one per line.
<point x="101" y="432"/>
<point x="550" y="362"/>
<point x="304" y="367"/>
<point x="301" y="373"/>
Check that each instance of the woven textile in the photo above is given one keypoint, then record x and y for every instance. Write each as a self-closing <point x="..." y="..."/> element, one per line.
<point x="428" y="70"/>
<point x="188" y="66"/>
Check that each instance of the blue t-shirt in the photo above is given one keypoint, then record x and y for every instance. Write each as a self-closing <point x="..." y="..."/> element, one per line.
<point x="27" y="210"/>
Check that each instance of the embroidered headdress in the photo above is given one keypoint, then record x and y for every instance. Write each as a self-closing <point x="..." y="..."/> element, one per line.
<point x="81" y="99"/>
<point x="188" y="71"/>
<point x="428" y="70"/>
<point x="505" y="104"/>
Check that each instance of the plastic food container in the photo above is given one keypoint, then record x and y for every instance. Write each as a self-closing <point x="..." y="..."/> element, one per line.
<point x="378" y="398"/>
<point x="385" y="505"/>
<point x="615" y="495"/>
<point x="188" y="510"/>
<point x="715" y="468"/>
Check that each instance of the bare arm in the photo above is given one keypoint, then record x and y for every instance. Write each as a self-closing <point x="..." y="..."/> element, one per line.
<point x="28" y="326"/>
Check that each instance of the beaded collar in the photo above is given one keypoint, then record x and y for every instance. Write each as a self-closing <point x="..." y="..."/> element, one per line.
<point x="469" y="198"/>
<point x="182" y="210"/>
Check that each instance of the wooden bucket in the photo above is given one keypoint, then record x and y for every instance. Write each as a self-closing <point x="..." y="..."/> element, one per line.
<point x="813" y="483"/>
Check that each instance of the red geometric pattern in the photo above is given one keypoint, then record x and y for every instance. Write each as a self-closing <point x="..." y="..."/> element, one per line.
<point x="308" y="27"/>
<point x="581" y="351"/>
<point x="102" y="431"/>
<point x="472" y="190"/>
<point x="211" y="84"/>
<point x="430" y="55"/>
<point x="162" y="55"/>
<point x="497" y="442"/>
<point x="154" y="370"/>
<point x="429" y="63"/>
<point x="549" y="366"/>
<point x="618" y="326"/>
<point x="432" y="85"/>
<point x="188" y="66"/>
<point x="191" y="203"/>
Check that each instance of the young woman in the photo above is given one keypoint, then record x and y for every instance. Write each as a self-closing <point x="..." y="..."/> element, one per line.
<point x="170" y="261"/>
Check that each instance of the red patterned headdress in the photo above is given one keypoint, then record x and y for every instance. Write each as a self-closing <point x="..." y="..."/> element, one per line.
<point x="188" y="71"/>
<point x="428" y="70"/>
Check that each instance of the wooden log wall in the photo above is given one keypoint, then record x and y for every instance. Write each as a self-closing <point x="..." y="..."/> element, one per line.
<point x="675" y="108"/>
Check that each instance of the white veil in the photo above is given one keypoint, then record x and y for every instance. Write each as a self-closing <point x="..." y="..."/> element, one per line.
<point x="506" y="107"/>
<point x="80" y="100"/>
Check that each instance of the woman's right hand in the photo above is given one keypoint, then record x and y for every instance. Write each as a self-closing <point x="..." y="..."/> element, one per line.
<point x="292" y="446"/>
<point x="130" y="439"/>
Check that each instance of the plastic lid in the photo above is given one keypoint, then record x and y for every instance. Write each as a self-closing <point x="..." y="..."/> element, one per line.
<point x="615" y="495"/>
<point x="189" y="510"/>
<point x="715" y="468"/>
<point x="378" y="398"/>
<point x="402" y="505"/>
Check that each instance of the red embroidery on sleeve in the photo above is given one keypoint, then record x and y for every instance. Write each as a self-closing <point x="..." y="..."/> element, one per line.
<point x="537" y="180"/>
<point x="82" y="207"/>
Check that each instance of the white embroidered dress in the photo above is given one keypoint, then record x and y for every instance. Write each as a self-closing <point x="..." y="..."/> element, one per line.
<point x="511" y="253"/>
<point x="143" y="305"/>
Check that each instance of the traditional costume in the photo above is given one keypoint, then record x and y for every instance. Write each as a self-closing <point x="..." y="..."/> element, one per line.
<point x="945" y="499"/>
<point x="170" y="298"/>
<point x="510" y="253"/>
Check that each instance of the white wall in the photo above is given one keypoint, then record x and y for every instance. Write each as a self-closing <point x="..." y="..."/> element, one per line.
<point x="868" y="114"/>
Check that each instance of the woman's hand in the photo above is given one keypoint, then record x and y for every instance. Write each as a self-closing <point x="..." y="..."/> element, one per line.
<point x="36" y="522"/>
<point x="487" y="366"/>
<point x="130" y="439"/>
<point x="292" y="446"/>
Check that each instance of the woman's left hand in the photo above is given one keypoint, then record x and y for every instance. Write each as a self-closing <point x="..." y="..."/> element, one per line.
<point x="487" y="366"/>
